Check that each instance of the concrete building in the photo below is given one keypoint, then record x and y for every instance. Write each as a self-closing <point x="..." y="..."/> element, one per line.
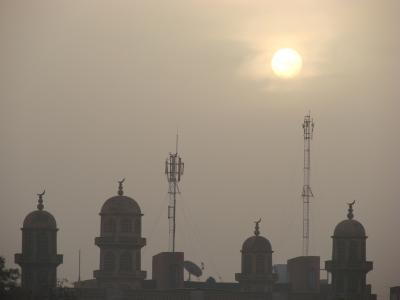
<point x="39" y="259"/>
<point x="282" y="273"/>
<point x="168" y="270"/>
<point x="395" y="293"/>
<point x="304" y="277"/>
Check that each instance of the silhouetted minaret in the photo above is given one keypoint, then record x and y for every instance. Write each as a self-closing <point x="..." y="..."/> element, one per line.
<point x="256" y="274"/>
<point x="39" y="259"/>
<point x="349" y="266"/>
<point x="120" y="243"/>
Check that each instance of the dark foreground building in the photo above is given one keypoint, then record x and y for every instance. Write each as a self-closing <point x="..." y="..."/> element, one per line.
<point x="120" y="276"/>
<point x="395" y="293"/>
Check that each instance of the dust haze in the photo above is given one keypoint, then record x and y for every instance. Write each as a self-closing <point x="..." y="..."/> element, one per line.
<point x="94" y="91"/>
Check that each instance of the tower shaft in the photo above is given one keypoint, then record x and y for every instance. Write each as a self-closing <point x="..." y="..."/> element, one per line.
<point x="173" y="190"/>
<point x="308" y="128"/>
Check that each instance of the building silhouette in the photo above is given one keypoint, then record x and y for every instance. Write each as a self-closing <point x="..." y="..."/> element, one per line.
<point x="39" y="259"/>
<point x="395" y="293"/>
<point x="349" y="266"/>
<point x="256" y="274"/>
<point x="120" y="243"/>
<point x="304" y="278"/>
<point x="120" y="276"/>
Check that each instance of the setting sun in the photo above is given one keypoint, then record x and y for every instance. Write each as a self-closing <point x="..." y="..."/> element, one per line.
<point x="286" y="63"/>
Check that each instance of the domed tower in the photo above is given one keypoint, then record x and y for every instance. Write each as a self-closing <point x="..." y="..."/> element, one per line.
<point x="39" y="259"/>
<point x="348" y="265"/>
<point x="256" y="275"/>
<point x="120" y="243"/>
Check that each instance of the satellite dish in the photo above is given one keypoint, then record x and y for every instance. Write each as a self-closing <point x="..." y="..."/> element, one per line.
<point x="192" y="268"/>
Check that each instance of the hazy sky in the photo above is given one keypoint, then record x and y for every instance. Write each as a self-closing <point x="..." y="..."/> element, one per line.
<point x="93" y="91"/>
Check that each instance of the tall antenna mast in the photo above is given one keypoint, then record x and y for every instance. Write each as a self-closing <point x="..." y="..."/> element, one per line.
<point x="308" y="128"/>
<point x="174" y="171"/>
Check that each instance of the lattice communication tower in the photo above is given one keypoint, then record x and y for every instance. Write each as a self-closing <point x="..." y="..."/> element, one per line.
<point x="308" y="129"/>
<point x="173" y="170"/>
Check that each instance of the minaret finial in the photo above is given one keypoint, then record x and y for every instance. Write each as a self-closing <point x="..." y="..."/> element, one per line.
<point x="40" y="205"/>
<point x="350" y="215"/>
<point x="120" y="187"/>
<point x="257" y="228"/>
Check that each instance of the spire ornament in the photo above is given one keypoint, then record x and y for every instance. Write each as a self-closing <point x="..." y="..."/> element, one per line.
<point x="257" y="228"/>
<point x="350" y="215"/>
<point x="121" y="187"/>
<point x="40" y="205"/>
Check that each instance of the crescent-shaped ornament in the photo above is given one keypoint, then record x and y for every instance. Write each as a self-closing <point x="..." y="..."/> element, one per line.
<point x="42" y="194"/>
<point x="352" y="203"/>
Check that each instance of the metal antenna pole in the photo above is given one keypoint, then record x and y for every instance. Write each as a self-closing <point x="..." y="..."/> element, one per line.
<point x="308" y="128"/>
<point x="174" y="170"/>
<point x="79" y="266"/>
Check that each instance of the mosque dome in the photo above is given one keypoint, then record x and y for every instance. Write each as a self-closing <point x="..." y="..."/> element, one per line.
<point x="257" y="243"/>
<point x="40" y="219"/>
<point x="120" y="204"/>
<point x="350" y="228"/>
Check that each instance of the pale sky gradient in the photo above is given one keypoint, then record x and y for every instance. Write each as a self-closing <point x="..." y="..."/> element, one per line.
<point x="93" y="91"/>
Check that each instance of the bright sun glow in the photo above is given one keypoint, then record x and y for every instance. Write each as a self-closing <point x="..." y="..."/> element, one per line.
<point x="286" y="63"/>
